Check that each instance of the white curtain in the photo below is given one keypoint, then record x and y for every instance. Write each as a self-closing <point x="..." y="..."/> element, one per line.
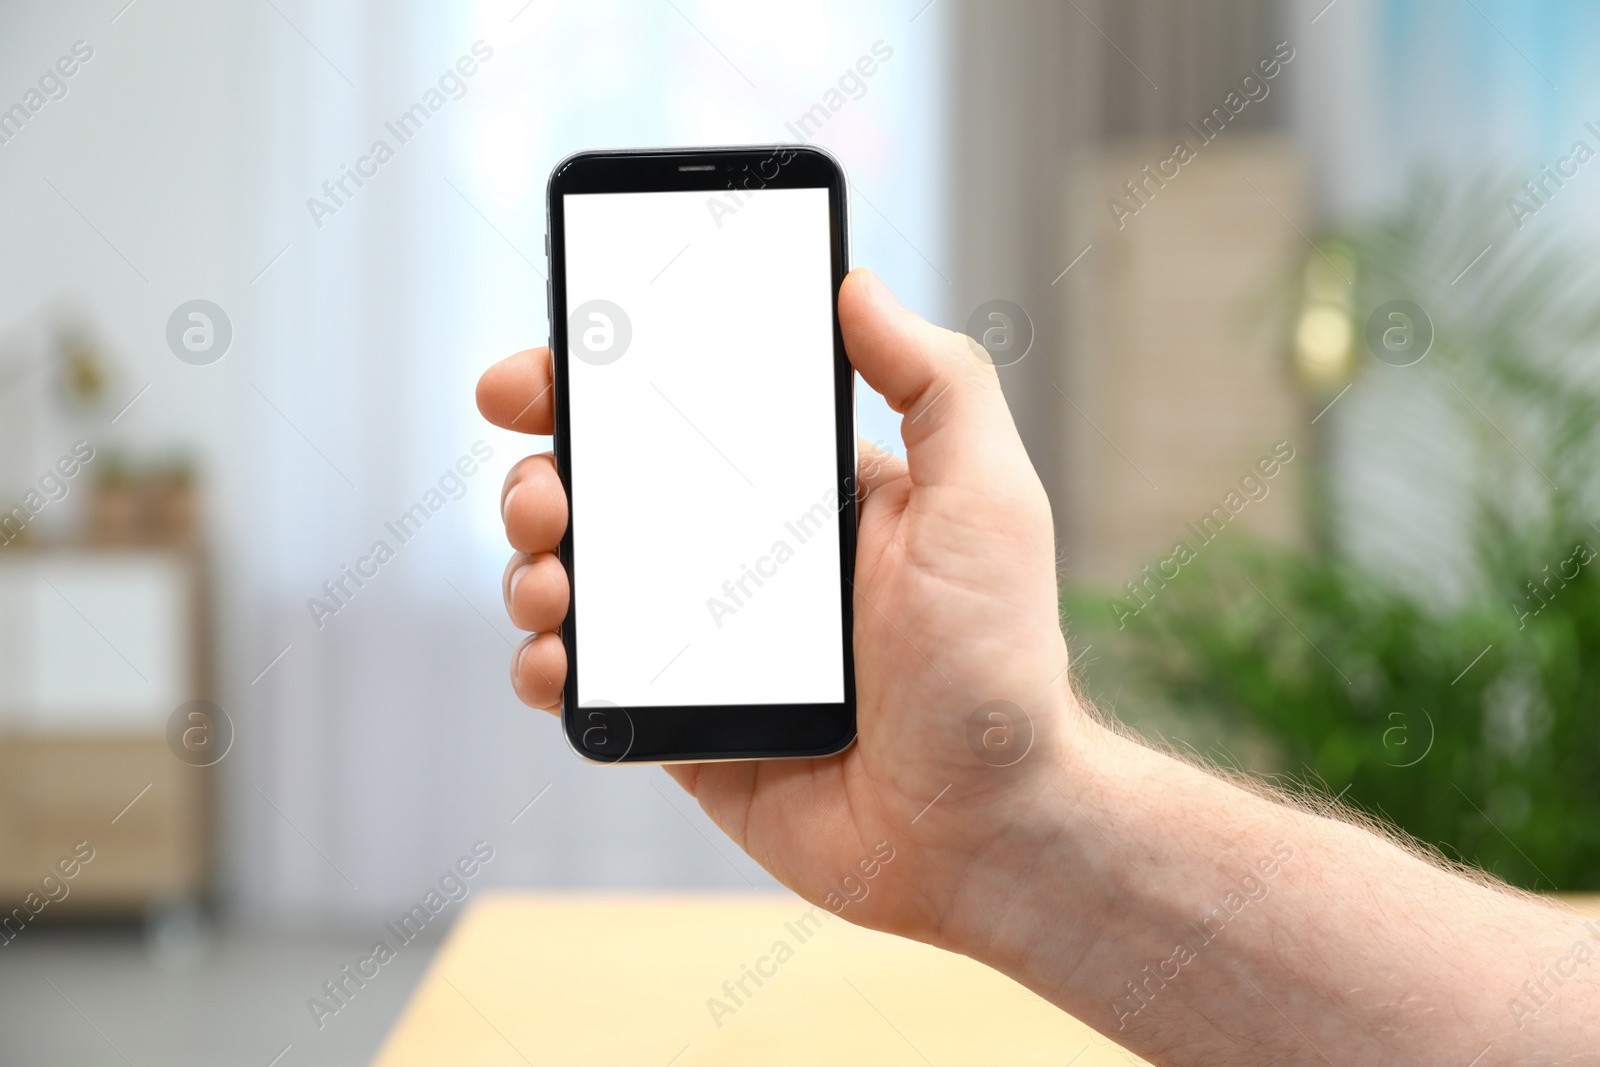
<point x="386" y="739"/>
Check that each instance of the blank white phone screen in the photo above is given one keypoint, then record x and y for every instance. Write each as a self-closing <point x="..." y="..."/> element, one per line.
<point x="705" y="505"/>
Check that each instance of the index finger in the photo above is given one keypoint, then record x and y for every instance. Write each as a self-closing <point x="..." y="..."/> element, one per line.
<point x="515" y="393"/>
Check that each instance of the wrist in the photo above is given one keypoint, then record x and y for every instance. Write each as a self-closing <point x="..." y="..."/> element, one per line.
<point x="1092" y="870"/>
<point x="1037" y="876"/>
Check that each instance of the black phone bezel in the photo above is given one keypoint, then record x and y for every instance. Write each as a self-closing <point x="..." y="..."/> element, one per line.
<point x="692" y="733"/>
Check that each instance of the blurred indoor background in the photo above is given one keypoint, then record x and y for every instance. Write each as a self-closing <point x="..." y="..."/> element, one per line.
<point x="1314" y="397"/>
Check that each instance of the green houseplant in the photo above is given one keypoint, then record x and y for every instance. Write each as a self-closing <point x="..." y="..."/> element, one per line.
<point x="1463" y="704"/>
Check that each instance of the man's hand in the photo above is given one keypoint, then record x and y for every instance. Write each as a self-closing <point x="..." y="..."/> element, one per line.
<point x="1195" y="921"/>
<point x="955" y="607"/>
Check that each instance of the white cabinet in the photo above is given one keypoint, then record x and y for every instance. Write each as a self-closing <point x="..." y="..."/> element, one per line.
<point x="98" y="647"/>
<point x="94" y="640"/>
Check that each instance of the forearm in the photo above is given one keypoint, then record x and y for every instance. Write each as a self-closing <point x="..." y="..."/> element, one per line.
<point x="1196" y="922"/>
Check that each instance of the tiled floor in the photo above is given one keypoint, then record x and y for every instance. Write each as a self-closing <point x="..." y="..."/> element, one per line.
<point x="90" y="996"/>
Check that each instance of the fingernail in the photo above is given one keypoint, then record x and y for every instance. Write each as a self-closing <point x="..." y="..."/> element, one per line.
<point x="882" y="293"/>
<point x="516" y="576"/>
<point x="505" y="505"/>
<point x="516" y="662"/>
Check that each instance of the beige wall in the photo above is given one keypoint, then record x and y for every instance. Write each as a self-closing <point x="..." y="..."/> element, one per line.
<point x="1180" y="373"/>
<point x="1155" y="351"/>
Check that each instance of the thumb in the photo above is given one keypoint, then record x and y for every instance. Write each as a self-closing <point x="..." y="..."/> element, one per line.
<point x="956" y="426"/>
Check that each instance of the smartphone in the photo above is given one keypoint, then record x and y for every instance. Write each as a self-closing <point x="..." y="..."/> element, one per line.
<point x="705" y="434"/>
